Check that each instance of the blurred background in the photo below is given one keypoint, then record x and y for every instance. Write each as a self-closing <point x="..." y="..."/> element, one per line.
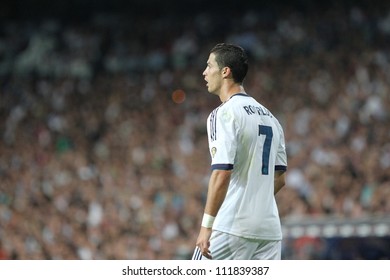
<point x="103" y="107"/>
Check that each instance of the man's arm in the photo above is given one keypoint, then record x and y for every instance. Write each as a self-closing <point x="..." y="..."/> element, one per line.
<point x="217" y="189"/>
<point x="218" y="185"/>
<point x="279" y="180"/>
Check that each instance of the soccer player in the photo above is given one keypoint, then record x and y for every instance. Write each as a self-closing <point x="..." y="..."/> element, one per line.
<point x="248" y="161"/>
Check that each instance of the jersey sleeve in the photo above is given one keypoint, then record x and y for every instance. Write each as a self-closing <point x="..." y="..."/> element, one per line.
<point x="222" y="139"/>
<point x="281" y="156"/>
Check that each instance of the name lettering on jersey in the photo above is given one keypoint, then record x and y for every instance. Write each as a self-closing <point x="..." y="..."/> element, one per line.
<point x="254" y="110"/>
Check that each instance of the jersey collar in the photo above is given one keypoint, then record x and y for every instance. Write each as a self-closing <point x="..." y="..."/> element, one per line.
<point x="239" y="94"/>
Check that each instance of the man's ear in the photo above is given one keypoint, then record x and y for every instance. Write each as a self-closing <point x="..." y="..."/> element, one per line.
<point x="226" y="71"/>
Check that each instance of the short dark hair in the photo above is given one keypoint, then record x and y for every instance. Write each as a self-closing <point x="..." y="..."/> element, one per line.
<point x="234" y="57"/>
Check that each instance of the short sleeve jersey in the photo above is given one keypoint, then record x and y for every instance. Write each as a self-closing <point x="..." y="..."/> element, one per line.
<point x="246" y="138"/>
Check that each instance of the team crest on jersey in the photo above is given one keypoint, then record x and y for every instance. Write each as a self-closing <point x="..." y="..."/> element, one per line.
<point x="213" y="151"/>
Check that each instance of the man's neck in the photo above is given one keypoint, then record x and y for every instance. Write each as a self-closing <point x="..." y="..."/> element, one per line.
<point x="229" y="92"/>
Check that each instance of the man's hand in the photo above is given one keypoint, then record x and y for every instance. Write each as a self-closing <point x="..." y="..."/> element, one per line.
<point x="203" y="242"/>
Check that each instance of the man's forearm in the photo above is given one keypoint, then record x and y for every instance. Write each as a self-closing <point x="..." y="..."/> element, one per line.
<point x="218" y="186"/>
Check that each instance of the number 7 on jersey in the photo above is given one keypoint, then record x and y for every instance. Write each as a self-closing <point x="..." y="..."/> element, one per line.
<point x="267" y="131"/>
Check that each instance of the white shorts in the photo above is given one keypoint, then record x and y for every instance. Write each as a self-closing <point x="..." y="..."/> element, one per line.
<point x="224" y="246"/>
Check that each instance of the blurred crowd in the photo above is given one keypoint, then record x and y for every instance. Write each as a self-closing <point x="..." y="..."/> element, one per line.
<point x="100" y="160"/>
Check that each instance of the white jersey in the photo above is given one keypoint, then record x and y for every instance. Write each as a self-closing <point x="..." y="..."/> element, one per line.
<point x="246" y="138"/>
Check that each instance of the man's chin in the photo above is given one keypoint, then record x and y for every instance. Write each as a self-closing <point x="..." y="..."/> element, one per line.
<point x="210" y="90"/>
